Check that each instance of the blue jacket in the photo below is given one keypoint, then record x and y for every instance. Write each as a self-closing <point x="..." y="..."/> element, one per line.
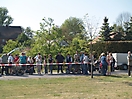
<point x="103" y="61"/>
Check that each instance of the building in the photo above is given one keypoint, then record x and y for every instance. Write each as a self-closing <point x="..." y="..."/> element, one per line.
<point x="9" y="32"/>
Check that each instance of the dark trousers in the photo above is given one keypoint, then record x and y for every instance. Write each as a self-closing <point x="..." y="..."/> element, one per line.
<point x="45" y="69"/>
<point x="6" y="69"/>
<point x="129" y="70"/>
<point x="112" y="66"/>
<point x="50" y="68"/>
<point x="2" y="70"/>
<point x="60" y="68"/>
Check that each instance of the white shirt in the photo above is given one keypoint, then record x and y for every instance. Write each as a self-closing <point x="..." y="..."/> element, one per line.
<point x="85" y="59"/>
<point x="38" y="61"/>
<point x="10" y="59"/>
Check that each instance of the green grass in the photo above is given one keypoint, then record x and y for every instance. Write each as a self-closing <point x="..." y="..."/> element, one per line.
<point x="81" y="87"/>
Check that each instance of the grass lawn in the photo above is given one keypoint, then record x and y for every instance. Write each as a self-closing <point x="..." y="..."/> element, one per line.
<point x="80" y="87"/>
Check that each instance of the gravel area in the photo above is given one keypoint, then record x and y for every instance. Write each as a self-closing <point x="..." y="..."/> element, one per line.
<point x="27" y="76"/>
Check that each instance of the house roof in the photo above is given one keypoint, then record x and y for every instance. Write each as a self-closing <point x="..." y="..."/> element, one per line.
<point x="10" y="32"/>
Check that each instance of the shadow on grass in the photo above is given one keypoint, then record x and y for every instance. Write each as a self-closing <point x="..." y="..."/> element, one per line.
<point x="128" y="83"/>
<point x="116" y="76"/>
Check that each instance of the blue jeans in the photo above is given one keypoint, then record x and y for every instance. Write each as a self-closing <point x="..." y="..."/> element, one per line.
<point x="85" y="69"/>
<point x="104" y="69"/>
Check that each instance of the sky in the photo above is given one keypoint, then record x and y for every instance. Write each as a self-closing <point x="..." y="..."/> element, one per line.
<point x="29" y="13"/>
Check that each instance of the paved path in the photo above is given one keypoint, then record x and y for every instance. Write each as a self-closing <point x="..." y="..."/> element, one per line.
<point x="25" y="76"/>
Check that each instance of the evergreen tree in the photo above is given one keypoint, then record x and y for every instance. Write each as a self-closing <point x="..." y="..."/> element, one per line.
<point x="105" y="32"/>
<point x="128" y="30"/>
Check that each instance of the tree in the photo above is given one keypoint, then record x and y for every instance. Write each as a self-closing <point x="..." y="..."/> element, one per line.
<point x="23" y="40"/>
<point x="48" y="38"/>
<point x="128" y="30"/>
<point x="118" y="33"/>
<point x="5" y="19"/>
<point x="105" y="30"/>
<point x="71" y="28"/>
<point x="91" y="27"/>
<point x="28" y="32"/>
<point x="10" y="44"/>
<point x="123" y="18"/>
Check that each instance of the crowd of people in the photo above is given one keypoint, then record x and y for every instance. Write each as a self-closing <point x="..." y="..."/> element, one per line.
<point x="82" y="63"/>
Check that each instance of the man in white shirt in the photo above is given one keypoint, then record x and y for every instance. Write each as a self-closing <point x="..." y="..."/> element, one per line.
<point x="86" y="67"/>
<point x="10" y="61"/>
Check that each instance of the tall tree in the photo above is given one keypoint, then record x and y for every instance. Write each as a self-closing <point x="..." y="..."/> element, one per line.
<point x="28" y="32"/>
<point x="105" y="30"/>
<point x="128" y="30"/>
<point x="5" y="19"/>
<point x="123" y="18"/>
<point x="91" y="27"/>
<point x="48" y="38"/>
<point x="23" y="40"/>
<point x="118" y="33"/>
<point x="72" y="27"/>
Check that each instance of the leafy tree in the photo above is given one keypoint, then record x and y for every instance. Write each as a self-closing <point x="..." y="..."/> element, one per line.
<point x="48" y="38"/>
<point x="23" y="40"/>
<point x="28" y="32"/>
<point x="5" y="19"/>
<point x="71" y="28"/>
<point x="10" y="45"/>
<point x="105" y="30"/>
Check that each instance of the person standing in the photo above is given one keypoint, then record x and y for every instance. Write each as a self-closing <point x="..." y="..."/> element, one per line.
<point x="16" y="58"/>
<point x="30" y="66"/>
<point x="38" y="55"/>
<point x="60" y="59"/>
<point x="86" y="66"/>
<point x="45" y="65"/>
<point x="50" y="60"/>
<point x="69" y="62"/>
<point x="108" y="57"/>
<point x="112" y="63"/>
<point x="76" y="61"/>
<point x="4" y="61"/>
<point x="10" y="61"/>
<point x="104" y="64"/>
<point x="91" y="64"/>
<point x="129" y="59"/>
<point x="23" y="60"/>
<point x="38" y="64"/>
<point x="81" y="60"/>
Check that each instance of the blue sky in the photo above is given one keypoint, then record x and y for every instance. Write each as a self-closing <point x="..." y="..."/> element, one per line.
<point x="29" y="13"/>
